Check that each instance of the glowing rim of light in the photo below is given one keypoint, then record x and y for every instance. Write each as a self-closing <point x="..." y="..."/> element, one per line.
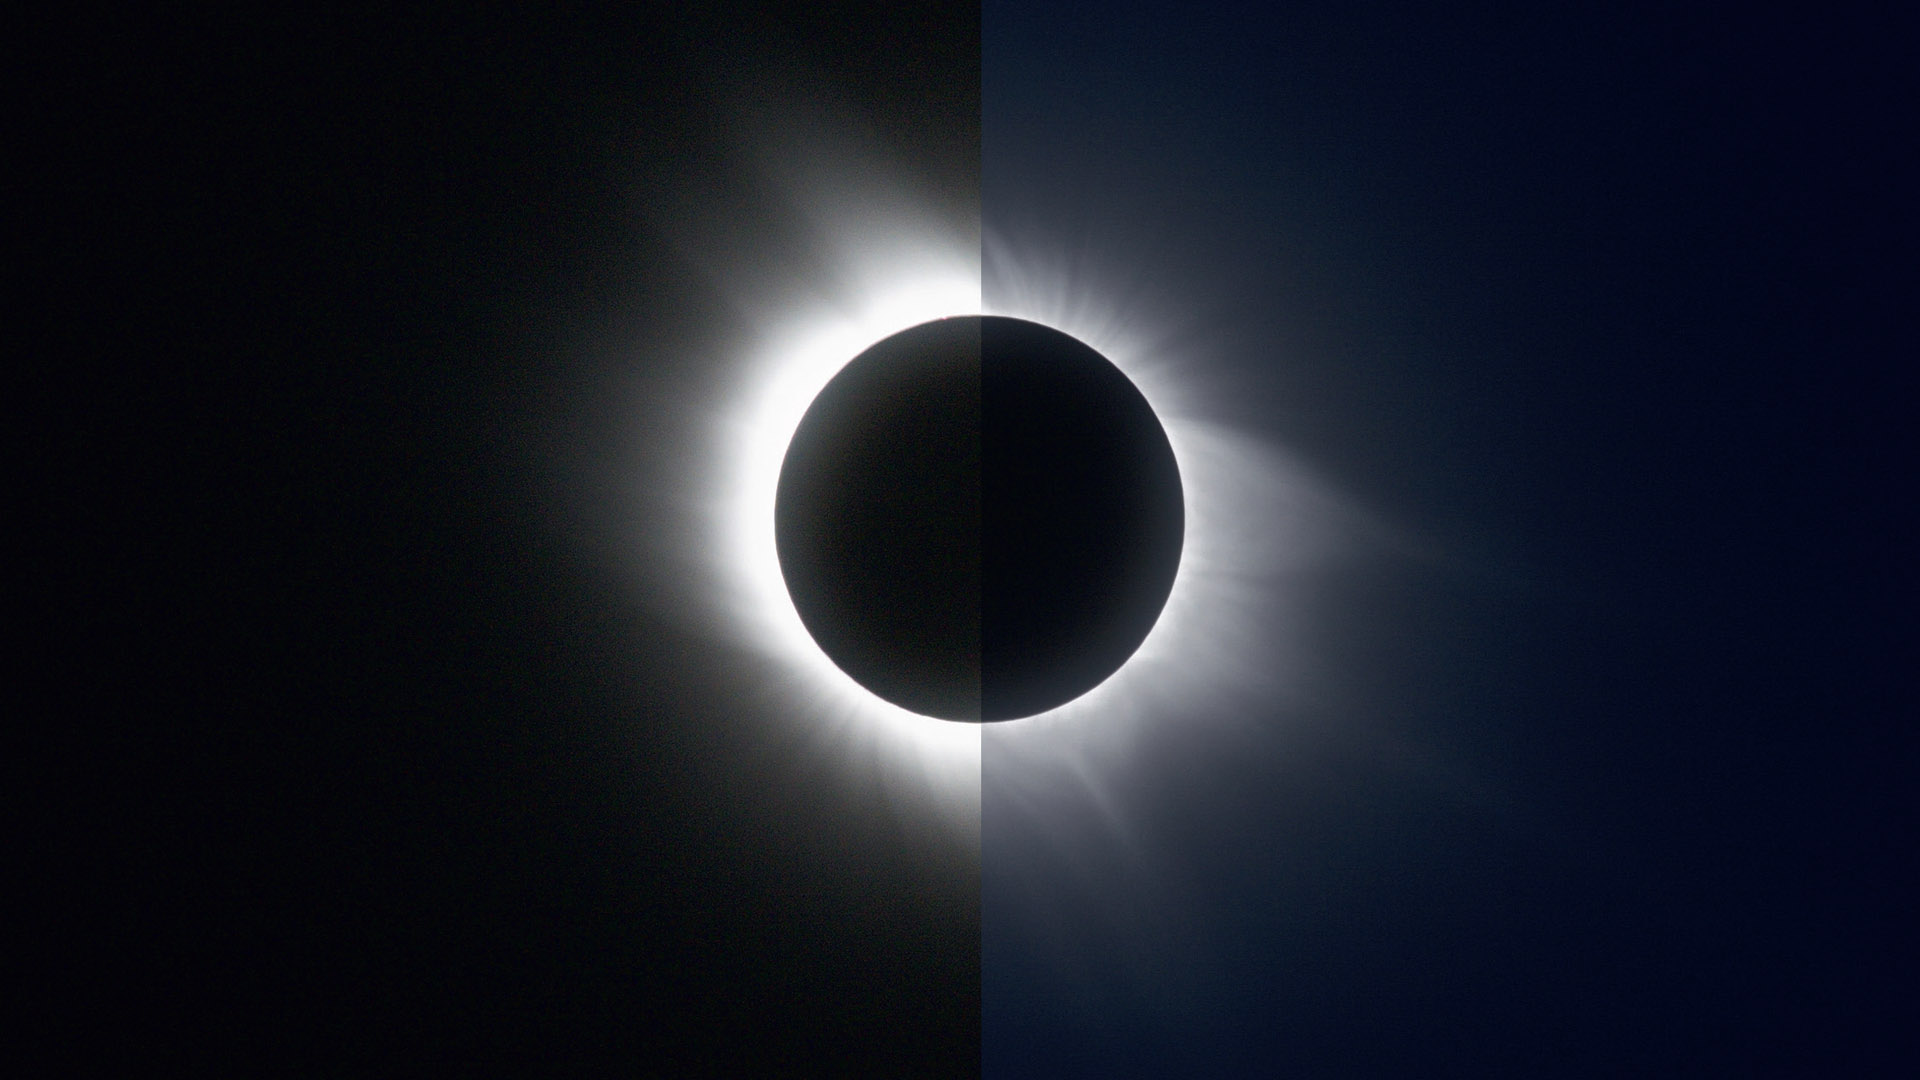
<point x="788" y="375"/>
<point x="1227" y="643"/>
<point x="857" y="252"/>
<point x="791" y="369"/>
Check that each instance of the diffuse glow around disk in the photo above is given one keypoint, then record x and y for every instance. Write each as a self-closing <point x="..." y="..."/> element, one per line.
<point x="845" y="255"/>
<point x="1240" y="536"/>
<point x="780" y="386"/>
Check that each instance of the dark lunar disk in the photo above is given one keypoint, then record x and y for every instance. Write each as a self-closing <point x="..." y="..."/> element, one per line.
<point x="979" y="518"/>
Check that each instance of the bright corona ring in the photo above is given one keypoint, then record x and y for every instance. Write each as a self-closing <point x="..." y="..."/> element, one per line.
<point x="1246" y="528"/>
<point x="801" y="349"/>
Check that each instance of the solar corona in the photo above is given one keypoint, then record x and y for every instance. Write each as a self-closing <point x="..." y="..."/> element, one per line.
<point x="979" y="518"/>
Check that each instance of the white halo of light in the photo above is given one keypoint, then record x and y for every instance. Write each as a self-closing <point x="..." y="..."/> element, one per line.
<point x="1251" y="513"/>
<point x="778" y="387"/>
<point x="848" y="257"/>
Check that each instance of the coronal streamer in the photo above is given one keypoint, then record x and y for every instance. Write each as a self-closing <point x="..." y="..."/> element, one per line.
<point x="842" y="252"/>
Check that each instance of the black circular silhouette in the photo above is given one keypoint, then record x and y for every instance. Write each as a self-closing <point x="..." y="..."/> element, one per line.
<point x="979" y="518"/>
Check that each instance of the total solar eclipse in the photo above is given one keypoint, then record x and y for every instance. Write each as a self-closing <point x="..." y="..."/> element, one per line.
<point x="979" y="518"/>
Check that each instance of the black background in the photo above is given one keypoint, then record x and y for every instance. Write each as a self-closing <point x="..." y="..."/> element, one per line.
<point x="343" y="749"/>
<point x="362" y="757"/>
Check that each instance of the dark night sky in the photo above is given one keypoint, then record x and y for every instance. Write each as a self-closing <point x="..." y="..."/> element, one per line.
<point x="381" y="737"/>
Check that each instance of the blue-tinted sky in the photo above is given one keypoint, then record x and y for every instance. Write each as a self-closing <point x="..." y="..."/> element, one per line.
<point x="1588" y="772"/>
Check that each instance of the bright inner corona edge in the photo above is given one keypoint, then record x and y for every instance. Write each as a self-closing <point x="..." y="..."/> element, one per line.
<point x="793" y="369"/>
<point x="1248" y="535"/>
<point x="795" y="362"/>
